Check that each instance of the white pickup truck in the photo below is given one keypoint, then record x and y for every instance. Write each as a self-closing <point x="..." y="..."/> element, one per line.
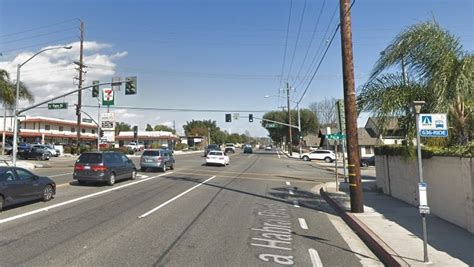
<point x="134" y="146"/>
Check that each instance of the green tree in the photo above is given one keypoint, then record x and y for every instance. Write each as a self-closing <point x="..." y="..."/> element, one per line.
<point x="441" y="73"/>
<point x="148" y="128"/>
<point x="122" y="127"/>
<point x="309" y="124"/>
<point x="164" y="128"/>
<point x="233" y="138"/>
<point x="203" y="128"/>
<point x="8" y="91"/>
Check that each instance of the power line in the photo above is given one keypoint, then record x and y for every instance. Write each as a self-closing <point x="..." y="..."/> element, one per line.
<point x="324" y="54"/>
<point x="312" y="38"/>
<point x="179" y="109"/>
<point x="39" y="35"/>
<point x="39" y="44"/>
<point x="297" y="40"/>
<point x="38" y="28"/>
<point x="286" y="44"/>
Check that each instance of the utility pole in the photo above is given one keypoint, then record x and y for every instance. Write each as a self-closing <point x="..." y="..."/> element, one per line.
<point x="290" y="137"/>
<point x="79" y="94"/>
<point x="355" y="186"/>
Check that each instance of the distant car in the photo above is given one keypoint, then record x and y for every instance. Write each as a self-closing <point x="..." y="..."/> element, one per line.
<point x="268" y="148"/>
<point x="248" y="149"/>
<point x="134" y="146"/>
<point x="157" y="159"/>
<point x="50" y="149"/>
<point x="211" y="147"/>
<point x="103" y="167"/>
<point x="367" y="161"/>
<point x="8" y="148"/>
<point x="320" y="154"/>
<point x="18" y="185"/>
<point x="23" y="146"/>
<point x="34" y="153"/>
<point x="217" y="158"/>
<point x="313" y="148"/>
<point x="229" y="147"/>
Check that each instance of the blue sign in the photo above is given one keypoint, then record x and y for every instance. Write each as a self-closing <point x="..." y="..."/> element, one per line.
<point x="434" y="133"/>
<point x="426" y="120"/>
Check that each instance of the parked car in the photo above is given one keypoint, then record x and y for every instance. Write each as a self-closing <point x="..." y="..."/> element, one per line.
<point x="157" y="159"/>
<point x="104" y="166"/>
<point x="34" y="153"/>
<point x="51" y="150"/>
<point x="248" y="149"/>
<point x="217" y="158"/>
<point x="229" y="147"/>
<point x="134" y="146"/>
<point x="320" y="154"/>
<point x="23" y="146"/>
<point x="18" y="185"/>
<point x="210" y="148"/>
<point x="8" y="148"/>
<point x="367" y="161"/>
<point x="53" y="147"/>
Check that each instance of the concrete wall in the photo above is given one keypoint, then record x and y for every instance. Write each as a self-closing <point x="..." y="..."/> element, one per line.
<point x="450" y="185"/>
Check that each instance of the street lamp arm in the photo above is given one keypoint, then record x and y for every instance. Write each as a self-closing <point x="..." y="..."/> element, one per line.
<point x="44" y="50"/>
<point x="277" y="96"/>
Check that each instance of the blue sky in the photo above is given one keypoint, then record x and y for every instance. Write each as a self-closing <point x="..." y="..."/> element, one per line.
<point x="222" y="55"/>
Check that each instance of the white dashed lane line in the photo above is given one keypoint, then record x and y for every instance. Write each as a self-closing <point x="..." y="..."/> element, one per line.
<point x="313" y="254"/>
<point x="288" y="183"/>
<point x="303" y="224"/>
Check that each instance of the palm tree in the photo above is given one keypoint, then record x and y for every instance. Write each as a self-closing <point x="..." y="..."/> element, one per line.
<point x="8" y="89"/>
<point x="441" y="73"/>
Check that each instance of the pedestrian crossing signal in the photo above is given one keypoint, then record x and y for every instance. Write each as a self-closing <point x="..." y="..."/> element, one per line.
<point x="228" y="117"/>
<point x="250" y="117"/>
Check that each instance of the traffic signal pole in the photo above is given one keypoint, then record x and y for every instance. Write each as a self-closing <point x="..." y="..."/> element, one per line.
<point x="355" y="185"/>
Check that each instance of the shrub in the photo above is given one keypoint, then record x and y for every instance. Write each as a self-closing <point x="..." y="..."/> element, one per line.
<point x="181" y="146"/>
<point x="409" y="152"/>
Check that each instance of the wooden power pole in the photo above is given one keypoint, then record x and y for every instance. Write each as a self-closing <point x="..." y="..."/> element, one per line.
<point x="79" y="94"/>
<point x="355" y="186"/>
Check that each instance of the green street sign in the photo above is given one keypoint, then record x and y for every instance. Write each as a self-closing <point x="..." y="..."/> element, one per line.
<point x="270" y="125"/>
<point x="57" y="106"/>
<point x="336" y="136"/>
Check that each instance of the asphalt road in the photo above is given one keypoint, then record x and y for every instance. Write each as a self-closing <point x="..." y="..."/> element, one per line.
<point x="257" y="211"/>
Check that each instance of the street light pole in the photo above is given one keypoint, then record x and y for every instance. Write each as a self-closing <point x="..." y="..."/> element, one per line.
<point x="290" y="135"/>
<point x="17" y="95"/>
<point x="417" y="109"/>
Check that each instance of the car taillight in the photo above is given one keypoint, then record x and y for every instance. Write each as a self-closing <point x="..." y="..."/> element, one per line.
<point x="99" y="168"/>
<point x="78" y="167"/>
<point x="158" y="158"/>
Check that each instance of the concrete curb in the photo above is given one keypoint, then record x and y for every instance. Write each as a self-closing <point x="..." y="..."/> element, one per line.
<point x="385" y="253"/>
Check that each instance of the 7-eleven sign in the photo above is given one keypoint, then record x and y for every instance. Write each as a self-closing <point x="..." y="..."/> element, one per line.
<point x="107" y="97"/>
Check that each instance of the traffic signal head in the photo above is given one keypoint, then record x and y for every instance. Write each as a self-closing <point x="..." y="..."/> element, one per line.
<point x="131" y="85"/>
<point x="250" y="117"/>
<point x="135" y="132"/>
<point x="101" y="133"/>
<point x="95" y="89"/>
<point x="228" y="117"/>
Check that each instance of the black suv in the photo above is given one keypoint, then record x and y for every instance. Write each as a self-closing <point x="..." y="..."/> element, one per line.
<point x="103" y="167"/>
<point x="211" y="147"/>
<point x="34" y="153"/>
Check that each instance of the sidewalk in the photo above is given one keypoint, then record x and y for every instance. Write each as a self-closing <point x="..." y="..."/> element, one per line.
<point x="392" y="229"/>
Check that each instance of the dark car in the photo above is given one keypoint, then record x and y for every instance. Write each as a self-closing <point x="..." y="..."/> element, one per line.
<point x="18" y="185"/>
<point x="210" y="148"/>
<point x="157" y="159"/>
<point x="367" y="161"/>
<point x="34" y="153"/>
<point x="8" y="148"/>
<point x="248" y="149"/>
<point x="103" y="167"/>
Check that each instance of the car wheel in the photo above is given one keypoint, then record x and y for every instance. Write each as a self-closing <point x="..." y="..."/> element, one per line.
<point x="172" y="167"/>
<point x="364" y="164"/>
<point x="163" y="169"/>
<point x="305" y="158"/>
<point x="134" y="175"/>
<point x="47" y="193"/>
<point x="327" y="159"/>
<point x="111" y="179"/>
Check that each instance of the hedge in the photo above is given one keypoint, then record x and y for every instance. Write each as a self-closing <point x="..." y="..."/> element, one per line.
<point x="427" y="151"/>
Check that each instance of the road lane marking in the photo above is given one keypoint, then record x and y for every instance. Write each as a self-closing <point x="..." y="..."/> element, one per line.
<point x="278" y="153"/>
<point x="251" y="155"/>
<point x="303" y="224"/>
<point x="291" y="192"/>
<point x="288" y="183"/>
<point x="313" y="254"/>
<point x="174" y="198"/>
<point x="57" y="175"/>
<point x="77" y="199"/>
<point x="296" y="204"/>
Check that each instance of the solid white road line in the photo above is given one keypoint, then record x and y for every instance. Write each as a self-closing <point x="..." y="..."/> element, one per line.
<point x="291" y="192"/>
<point x="296" y="204"/>
<point x="313" y="254"/>
<point x="77" y="199"/>
<point x="174" y="198"/>
<point x="303" y="224"/>
<point x="56" y="175"/>
<point x="288" y="183"/>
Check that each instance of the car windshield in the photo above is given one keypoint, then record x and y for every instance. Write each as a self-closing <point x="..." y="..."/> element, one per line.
<point x="151" y="153"/>
<point x="92" y="158"/>
<point x="215" y="153"/>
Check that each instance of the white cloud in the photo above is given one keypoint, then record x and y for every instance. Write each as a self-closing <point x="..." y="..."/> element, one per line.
<point x="167" y="123"/>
